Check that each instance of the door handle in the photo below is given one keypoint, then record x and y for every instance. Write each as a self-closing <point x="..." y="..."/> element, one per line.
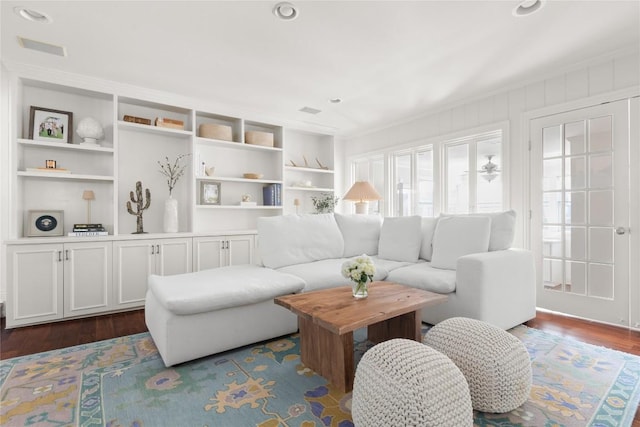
<point x="620" y="231"/>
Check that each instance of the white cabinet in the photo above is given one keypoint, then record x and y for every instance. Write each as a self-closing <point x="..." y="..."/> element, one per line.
<point x="219" y="251"/>
<point x="52" y="281"/>
<point x="135" y="260"/>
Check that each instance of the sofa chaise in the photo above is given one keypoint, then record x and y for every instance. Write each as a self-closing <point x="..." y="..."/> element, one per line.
<point x="467" y="257"/>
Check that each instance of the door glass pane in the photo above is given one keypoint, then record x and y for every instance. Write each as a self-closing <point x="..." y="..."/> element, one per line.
<point x="575" y="173"/>
<point x="601" y="207"/>
<point x="552" y="174"/>
<point x="402" y="184"/>
<point x="489" y="176"/>
<point x="552" y="274"/>
<point x="575" y="207"/>
<point x="552" y="141"/>
<point x="425" y="183"/>
<point x="601" y="280"/>
<point x="552" y="243"/>
<point x="601" y="244"/>
<point x="574" y="138"/>
<point x="458" y="178"/>
<point x="576" y="277"/>
<point x="377" y="179"/>
<point x="600" y="171"/>
<point x="600" y="134"/>
<point x="575" y="245"/>
<point x="552" y="208"/>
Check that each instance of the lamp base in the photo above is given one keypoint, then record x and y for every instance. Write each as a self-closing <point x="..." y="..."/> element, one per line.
<point x="362" y="207"/>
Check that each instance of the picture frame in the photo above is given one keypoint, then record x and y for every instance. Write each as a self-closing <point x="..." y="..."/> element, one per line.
<point x="40" y="223"/>
<point x="46" y="124"/>
<point x="210" y="193"/>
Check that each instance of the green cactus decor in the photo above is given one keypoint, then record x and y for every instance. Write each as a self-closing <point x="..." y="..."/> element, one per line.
<point x="139" y="203"/>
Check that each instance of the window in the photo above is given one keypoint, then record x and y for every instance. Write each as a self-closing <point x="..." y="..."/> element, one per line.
<point x="461" y="175"/>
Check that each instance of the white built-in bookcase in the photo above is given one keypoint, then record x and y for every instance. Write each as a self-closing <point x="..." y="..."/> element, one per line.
<point x="129" y="152"/>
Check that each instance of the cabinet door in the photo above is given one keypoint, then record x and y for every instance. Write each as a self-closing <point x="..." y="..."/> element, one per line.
<point x="208" y="252"/>
<point x="240" y="249"/>
<point x="87" y="277"/>
<point x="173" y="256"/>
<point x="35" y="290"/>
<point x="132" y="264"/>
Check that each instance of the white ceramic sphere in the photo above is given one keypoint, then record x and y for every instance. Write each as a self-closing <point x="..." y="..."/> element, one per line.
<point x="90" y="130"/>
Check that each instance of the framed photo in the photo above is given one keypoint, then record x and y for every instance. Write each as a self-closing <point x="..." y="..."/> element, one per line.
<point x="44" y="223"/>
<point x="209" y="193"/>
<point x="46" y="124"/>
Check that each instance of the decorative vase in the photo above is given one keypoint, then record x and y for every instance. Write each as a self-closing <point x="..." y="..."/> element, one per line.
<point x="90" y="131"/>
<point x="360" y="289"/>
<point x="170" y="224"/>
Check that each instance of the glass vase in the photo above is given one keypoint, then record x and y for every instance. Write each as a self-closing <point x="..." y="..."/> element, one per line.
<point x="360" y="289"/>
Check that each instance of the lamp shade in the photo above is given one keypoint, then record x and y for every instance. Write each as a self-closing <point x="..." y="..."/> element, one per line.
<point x="88" y="195"/>
<point x="362" y="191"/>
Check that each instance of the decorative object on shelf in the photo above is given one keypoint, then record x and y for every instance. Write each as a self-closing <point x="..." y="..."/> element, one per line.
<point x="88" y="195"/>
<point x="208" y="170"/>
<point x="46" y="124"/>
<point x="489" y="171"/>
<point x="303" y="184"/>
<point x="246" y="201"/>
<point x="272" y="195"/>
<point x="296" y="203"/>
<point x="321" y="165"/>
<point x="138" y="120"/>
<point x="306" y="163"/>
<point x="140" y="205"/>
<point x="214" y="131"/>
<point x="47" y="170"/>
<point x="252" y="175"/>
<point x="173" y="172"/>
<point x="246" y="197"/>
<point x="360" y="271"/>
<point x="50" y="164"/>
<point x="163" y="122"/>
<point x="41" y="223"/>
<point x="362" y="192"/>
<point x="255" y="137"/>
<point x="325" y="203"/>
<point x="90" y="130"/>
<point x="210" y="193"/>
<point x="293" y="163"/>
<point x="88" y="230"/>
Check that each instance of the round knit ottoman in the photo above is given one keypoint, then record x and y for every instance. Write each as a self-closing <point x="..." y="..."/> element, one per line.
<point x="494" y="362"/>
<point x="405" y="383"/>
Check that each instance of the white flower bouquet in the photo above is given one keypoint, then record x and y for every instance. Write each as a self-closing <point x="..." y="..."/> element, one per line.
<point x="361" y="271"/>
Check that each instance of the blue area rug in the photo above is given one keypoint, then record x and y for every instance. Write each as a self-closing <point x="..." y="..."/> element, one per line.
<point x="122" y="382"/>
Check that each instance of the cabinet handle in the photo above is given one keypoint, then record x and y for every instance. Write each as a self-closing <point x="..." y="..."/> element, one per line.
<point x="59" y="256"/>
<point x="153" y="249"/>
<point x="158" y="249"/>
<point x="66" y="254"/>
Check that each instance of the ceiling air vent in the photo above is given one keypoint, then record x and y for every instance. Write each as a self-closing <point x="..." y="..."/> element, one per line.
<point x="310" y="110"/>
<point x="42" y="46"/>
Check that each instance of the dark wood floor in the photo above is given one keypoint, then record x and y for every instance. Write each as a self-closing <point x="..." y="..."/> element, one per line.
<point x="33" y="339"/>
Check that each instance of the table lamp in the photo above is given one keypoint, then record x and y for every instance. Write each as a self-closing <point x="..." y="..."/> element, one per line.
<point x="88" y="195"/>
<point x="362" y="192"/>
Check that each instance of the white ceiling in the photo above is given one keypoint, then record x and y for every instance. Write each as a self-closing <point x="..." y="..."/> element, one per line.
<point x="387" y="60"/>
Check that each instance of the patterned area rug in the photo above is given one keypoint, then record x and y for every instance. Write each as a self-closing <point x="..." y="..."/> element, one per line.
<point x="123" y="383"/>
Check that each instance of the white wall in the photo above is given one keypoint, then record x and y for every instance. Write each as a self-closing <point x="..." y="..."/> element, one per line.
<point x="585" y="83"/>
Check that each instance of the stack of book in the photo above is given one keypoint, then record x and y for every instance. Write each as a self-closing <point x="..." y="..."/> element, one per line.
<point x="88" y="230"/>
<point x="271" y="195"/>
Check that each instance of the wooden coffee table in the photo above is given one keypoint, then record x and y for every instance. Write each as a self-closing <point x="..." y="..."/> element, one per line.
<point x="327" y="319"/>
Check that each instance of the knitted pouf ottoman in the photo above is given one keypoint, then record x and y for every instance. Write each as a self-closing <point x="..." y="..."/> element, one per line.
<point x="405" y="383"/>
<point x="495" y="363"/>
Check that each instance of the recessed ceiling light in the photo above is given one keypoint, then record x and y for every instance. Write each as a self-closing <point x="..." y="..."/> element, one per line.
<point x="527" y="7"/>
<point x="32" y="15"/>
<point x="285" y="11"/>
<point x="335" y="100"/>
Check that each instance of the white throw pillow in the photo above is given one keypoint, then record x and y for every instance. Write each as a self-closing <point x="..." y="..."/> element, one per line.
<point x="428" y="228"/>
<point x="361" y="233"/>
<point x="294" y="239"/>
<point x="400" y="238"/>
<point x="503" y="228"/>
<point x="456" y="236"/>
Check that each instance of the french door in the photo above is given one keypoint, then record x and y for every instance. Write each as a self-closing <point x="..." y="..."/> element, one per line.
<point x="580" y="201"/>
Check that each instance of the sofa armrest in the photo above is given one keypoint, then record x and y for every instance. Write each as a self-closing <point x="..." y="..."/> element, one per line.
<point x="498" y="286"/>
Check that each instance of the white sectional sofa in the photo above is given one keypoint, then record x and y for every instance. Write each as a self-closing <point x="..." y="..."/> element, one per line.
<point x="467" y="257"/>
